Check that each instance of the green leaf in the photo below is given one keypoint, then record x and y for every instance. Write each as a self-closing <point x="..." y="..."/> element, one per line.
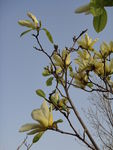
<point x="59" y="121"/>
<point x="23" y="33"/>
<point x="40" y="93"/>
<point x="96" y="3"/>
<point x="49" y="81"/>
<point x="37" y="137"/>
<point x="56" y="122"/>
<point x="99" y="22"/>
<point x="96" y="11"/>
<point x="49" y="36"/>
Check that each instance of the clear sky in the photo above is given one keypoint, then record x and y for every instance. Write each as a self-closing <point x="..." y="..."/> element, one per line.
<point x="21" y="65"/>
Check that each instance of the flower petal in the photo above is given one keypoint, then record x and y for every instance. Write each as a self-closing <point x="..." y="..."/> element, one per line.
<point x="38" y="115"/>
<point x="45" y="109"/>
<point x="36" y="131"/>
<point x="34" y="19"/>
<point x="28" y="126"/>
<point x="58" y="60"/>
<point x="26" y="23"/>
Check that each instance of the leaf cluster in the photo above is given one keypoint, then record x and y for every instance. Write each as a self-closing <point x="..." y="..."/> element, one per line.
<point x="97" y="9"/>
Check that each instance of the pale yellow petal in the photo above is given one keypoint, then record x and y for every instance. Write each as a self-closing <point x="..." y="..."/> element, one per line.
<point x="83" y="9"/>
<point x="39" y="116"/>
<point x="87" y="39"/>
<point x="36" y="131"/>
<point x="68" y="59"/>
<point x="50" y="121"/>
<point x="93" y="42"/>
<point x="26" y="23"/>
<point x="45" y="109"/>
<point x="64" y="54"/>
<point x="111" y="66"/>
<point x="28" y="126"/>
<point x="34" y="19"/>
<point x="58" y="60"/>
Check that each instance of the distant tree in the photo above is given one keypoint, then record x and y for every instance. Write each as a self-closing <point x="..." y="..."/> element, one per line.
<point x="89" y="64"/>
<point x="100" y="116"/>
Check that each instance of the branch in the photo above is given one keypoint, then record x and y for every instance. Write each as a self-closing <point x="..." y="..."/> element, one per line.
<point x="81" y="121"/>
<point x="76" y="38"/>
<point x="61" y="131"/>
<point x="23" y="142"/>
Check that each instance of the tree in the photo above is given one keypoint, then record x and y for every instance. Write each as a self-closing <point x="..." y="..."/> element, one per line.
<point x="67" y="73"/>
<point x="101" y="119"/>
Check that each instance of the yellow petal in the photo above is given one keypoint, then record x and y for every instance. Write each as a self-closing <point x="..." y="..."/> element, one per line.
<point x="68" y="59"/>
<point x="28" y="126"/>
<point x="34" y="19"/>
<point x="45" y="109"/>
<point x="83" y="9"/>
<point x="35" y="131"/>
<point x="64" y="53"/>
<point x="93" y="42"/>
<point x="87" y="39"/>
<point x="50" y="121"/>
<point x="58" y="60"/>
<point x="38" y="115"/>
<point x="111" y="66"/>
<point x="26" y="23"/>
<point x="42" y="114"/>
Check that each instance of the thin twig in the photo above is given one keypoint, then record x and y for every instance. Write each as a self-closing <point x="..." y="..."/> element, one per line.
<point x="23" y="142"/>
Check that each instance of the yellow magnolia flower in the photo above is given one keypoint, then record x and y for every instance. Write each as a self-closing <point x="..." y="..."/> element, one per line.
<point x="58" y="60"/>
<point x="81" y="79"/>
<point x="109" y="68"/>
<point x="44" y="117"/>
<point x="105" y="50"/>
<point x="27" y="23"/>
<point x="85" y="61"/>
<point x="99" y="68"/>
<point x="111" y="46"/>
<point x="84" y="54"/>
<point x="87" y="42"/>
<point x="34" y="19"/>
<point x="55" y="98"/>
<point x="63" y="60"/>
<point x="66" y="57"/>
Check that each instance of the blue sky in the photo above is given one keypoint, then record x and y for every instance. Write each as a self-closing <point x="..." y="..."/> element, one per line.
<point x="21" y="66"/>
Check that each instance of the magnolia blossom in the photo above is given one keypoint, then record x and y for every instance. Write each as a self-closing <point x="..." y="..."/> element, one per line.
<point x="87" y="42"/>
<point x="62" y="60"/>
<point x="27" y="23"/>
<point x="43" y="116"/>
<point x="105" y="50"/>
<point x="81" y="79"/>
